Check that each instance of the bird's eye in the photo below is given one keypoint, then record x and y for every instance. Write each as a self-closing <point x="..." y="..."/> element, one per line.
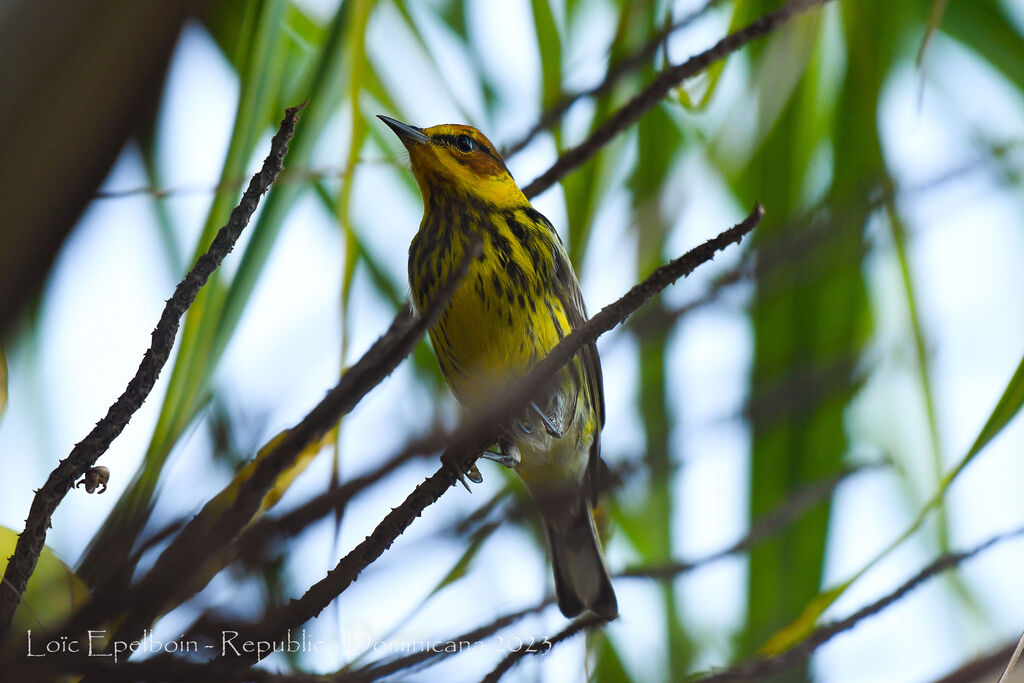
<point x="464" y="144"/>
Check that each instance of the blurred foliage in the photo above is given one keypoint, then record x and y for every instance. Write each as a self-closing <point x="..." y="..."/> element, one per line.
<point x="800" y="133"/>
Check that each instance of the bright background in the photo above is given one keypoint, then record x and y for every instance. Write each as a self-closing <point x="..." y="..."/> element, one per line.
<point x="778" y="126"/>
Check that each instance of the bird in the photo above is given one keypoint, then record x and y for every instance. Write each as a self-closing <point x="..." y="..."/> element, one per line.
<point x="519" y="297"/>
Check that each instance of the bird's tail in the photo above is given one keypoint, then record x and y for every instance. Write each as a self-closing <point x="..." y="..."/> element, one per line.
<point x="581" y="578"/>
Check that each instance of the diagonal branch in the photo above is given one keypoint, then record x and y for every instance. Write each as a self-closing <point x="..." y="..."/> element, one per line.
<point x="88" y="450"/>
<point x="660" y="87"/>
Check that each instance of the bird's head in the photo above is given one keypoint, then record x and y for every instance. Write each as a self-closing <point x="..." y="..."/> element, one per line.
<point x="455" y="160"/>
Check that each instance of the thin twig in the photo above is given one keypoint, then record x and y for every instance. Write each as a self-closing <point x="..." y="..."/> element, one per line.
<point x="763" y="529"/>
<point x="50" y="668"/>
<point x="660" y="87"/>
<point x="88" y="450"/>
<point x="761" y="668"/>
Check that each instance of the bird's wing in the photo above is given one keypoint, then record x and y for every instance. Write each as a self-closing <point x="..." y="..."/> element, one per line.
<point x="568" y="290"/>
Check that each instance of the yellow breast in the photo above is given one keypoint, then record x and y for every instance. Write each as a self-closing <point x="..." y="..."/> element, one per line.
<point x="494" y="331"/>
<point x="505" y="316"/>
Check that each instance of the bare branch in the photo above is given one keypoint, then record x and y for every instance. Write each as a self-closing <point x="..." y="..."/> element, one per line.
<point x="289" y="175"/>
<point x="85" y="453"/>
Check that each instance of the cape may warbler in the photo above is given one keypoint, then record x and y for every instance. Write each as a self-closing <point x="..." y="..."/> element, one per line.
<point x="519" y="297"/>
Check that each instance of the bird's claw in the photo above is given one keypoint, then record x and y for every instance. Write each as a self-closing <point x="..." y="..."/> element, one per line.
<point x="471" y="472"/>
<point x="508" y="459"/>
<point x="549" y="426"/>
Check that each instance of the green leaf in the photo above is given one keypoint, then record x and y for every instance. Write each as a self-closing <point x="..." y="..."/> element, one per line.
<point x="324" y="92"/>
<point x="223" y="500"/>
<point x="803" y="625"/>
<point x="695" y="93"/>
<point x="924" y="380"/>
<point x="461" y="567"/>
<point x="1006" y="409"/>
<point x="358" y="67"/>
<point x="585" y="188"/>
<point x="858" y="159"/>
<point x="658" y="144"/>
<point x="453" y="13"/>
<point x="549" y="44"/>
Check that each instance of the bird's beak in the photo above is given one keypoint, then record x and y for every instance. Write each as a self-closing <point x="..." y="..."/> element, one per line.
<point x="404" y="131"/>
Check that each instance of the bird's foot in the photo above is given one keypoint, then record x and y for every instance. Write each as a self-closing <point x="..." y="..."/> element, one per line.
<point x="471" y="472"/>
<point x="549" y="425"/>
<point x="509" y="458"/>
